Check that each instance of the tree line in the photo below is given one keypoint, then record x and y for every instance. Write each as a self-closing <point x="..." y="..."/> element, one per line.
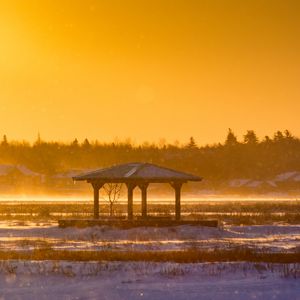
<point x="249" y="158"/>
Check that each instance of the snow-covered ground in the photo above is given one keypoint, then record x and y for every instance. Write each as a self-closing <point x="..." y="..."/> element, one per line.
<point x="147" y="280"/>
<point x="27" y="236"/>
<point x="141" y="280"/>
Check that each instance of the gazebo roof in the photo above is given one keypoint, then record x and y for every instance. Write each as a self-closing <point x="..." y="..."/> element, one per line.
<point x="131" y="172"/>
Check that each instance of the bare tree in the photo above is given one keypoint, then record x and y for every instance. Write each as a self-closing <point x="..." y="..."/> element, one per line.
<point x="112" y="193"/>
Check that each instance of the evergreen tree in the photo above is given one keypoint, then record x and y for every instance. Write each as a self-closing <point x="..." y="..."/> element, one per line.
<point x="86" y="143"/>
<point x="288" y="135"/>
<point x="192" y="144"/>
<point x="38" y="140"/>
<point x="231" y="138"/>
<point x="75" y="143"/>
<point x="4" y="141"/>
<point x="278" y="136"/>
<point x="267" y="139"/>
<point x="250" y="137"/>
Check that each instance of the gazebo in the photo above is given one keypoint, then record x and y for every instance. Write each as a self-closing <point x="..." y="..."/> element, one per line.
<point x="136" y="175"/>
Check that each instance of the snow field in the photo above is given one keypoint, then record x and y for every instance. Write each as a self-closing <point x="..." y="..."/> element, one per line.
<point x="28" y="236"/>
<point x="146" y="280"/>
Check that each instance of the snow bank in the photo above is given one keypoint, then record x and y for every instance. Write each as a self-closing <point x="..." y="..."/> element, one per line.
<point x="138" y="280"/>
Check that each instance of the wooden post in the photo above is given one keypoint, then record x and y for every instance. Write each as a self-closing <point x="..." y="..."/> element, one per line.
<point x="96" y="187"/>
<point x="177" y="187"/>
<point x="143" y="188"/>
<point x="130" y="188"/>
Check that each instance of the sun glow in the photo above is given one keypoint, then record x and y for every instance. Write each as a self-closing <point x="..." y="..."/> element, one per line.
<point x="19" y="198"/>
<point x="67" y="60"/>
<point x="16" y="49"/>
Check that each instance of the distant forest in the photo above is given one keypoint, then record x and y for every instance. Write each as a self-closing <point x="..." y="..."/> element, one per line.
<point x="249" y="158"/>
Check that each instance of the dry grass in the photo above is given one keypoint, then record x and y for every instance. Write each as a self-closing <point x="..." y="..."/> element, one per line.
<point x="186" y="256"/>
<point x="237" y="213"/>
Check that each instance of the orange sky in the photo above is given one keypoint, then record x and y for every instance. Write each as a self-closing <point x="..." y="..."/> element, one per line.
<point x="148" y="69"/>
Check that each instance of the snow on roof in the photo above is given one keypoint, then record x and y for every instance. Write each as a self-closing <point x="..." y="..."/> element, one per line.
<point x="297" y="177"/>
<point x="7" y="169"/>
<point x="254" y="183"/>
<point x="286" y="176"/>
<point x="271" y="183"/>
<point x="137" y="171"/>
<point x="27" y="171"/>
<point x="250" y="183"/>
<point x="238" y="182"/>
<point x="68" y="174"/>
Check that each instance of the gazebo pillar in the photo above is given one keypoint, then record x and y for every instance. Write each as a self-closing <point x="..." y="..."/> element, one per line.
<point x="130" y="188"/>
<point x="143" y="188"/>
<point x="177" y="187"/>
<point x="96" y="186"/>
